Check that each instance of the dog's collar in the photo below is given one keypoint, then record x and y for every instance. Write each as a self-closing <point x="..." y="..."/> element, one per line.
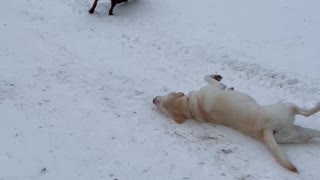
<point x="189" y="109"/>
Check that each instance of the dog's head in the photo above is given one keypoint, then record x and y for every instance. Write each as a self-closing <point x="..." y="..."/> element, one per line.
<point x="175" y="105"/>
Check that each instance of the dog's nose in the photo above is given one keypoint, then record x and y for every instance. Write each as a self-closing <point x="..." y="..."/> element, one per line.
<point x="155" y="100"/>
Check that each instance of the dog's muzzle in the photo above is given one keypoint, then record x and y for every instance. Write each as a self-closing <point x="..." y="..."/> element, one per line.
<point x="156" y="100"/>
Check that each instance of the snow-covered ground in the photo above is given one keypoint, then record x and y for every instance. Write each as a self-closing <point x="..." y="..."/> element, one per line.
<point x="76" y="89"/>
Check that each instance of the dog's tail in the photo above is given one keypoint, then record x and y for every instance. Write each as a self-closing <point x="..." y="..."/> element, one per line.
<point x="280" y="156"/>
<point x="306" y="112"/>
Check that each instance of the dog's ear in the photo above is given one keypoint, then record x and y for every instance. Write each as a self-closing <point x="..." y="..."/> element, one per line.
<point x="178" y="118"/>
<point x="178" y="94"/>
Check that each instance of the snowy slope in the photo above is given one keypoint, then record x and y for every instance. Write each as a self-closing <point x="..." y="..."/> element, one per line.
<point x="76" y="89"/>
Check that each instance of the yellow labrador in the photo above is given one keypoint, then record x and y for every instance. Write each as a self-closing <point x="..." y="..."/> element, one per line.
<point x="271" y="124"/>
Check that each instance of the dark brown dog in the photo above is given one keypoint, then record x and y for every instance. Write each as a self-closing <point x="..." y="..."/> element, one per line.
<point x="113" y="4"/>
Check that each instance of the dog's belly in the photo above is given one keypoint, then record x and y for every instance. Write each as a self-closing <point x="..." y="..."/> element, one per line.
<point x="246" y="121"/>
<point x="232" y="109"/>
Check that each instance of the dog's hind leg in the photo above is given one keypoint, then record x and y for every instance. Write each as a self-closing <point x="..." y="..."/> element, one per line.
<point x="281" y="157"/>
<point x="307" y="133"/>
<point x="215" y="79"/>
<point x="295" y="134"/>
<point x="94" y="5"/>
<point x="306" y="112"/>
<point x="113" y="4"/>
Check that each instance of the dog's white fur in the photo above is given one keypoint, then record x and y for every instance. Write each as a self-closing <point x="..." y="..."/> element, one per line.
<point x="270" y="124"/>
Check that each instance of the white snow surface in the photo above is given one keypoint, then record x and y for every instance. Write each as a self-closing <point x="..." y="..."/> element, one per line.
<point x="76" y="89"/>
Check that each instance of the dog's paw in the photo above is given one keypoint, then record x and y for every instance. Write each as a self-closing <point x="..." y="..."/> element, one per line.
<point x="216" y="77"/>
<point x="91" y="11"/>
<point x="231" y="88"/>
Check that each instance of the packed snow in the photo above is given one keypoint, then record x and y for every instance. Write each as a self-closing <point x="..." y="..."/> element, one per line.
<point x="76" y="89"/>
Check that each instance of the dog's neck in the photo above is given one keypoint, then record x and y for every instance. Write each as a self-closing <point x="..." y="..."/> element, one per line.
<point x="195" y="110"/>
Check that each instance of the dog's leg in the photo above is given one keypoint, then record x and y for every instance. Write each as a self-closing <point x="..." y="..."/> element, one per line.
<point x="307" y="133"/>
<point x="295" y="134"/>
<point x="121" y="1"/>
<point x="281" y="157"/>
<point x="113" y="4"/>
<point x="215" y="79"/>
<point x="210" y="77"/>
<point x="306" y="112"/>
<point x="94" y="5"/>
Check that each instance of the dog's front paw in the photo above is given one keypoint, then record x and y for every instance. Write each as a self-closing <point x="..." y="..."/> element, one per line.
<point x="216" y="77"/>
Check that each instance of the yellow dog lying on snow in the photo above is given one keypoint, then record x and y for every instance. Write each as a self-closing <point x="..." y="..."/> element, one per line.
<point x="214" y="103"/>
